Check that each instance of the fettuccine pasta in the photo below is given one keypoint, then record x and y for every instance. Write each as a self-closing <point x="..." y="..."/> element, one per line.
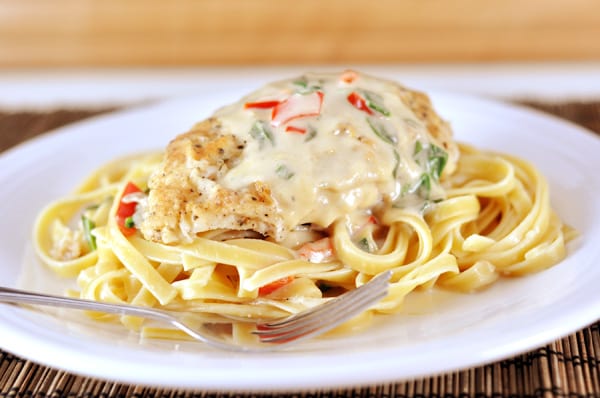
<point x="436" y="213"/>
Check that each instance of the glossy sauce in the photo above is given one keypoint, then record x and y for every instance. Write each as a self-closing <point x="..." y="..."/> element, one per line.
<point x="328" y="145"/>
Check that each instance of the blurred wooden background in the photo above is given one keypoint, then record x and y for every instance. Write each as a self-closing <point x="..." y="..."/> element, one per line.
<point x="36" y="33"/>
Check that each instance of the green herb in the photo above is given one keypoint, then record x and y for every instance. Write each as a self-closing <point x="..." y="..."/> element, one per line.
<point x="375" y="102"/>
<point x="367" y="245"/>
<point x="425" y="183"/>
<point x="422" y="186"/>
<point x="129" y="223"/>
<point x="261" y="131"/>
<point x="418" y="148"/>
<point x="380" y="131"/>
<point x="92" y="207"/>
<point x="302" y="82"/>
<point x="304" y="87"/>
<point x="397" y="157"/>
<point x="88" y="226"/>
<point x="428" y="205"/>
<point x="433" y="159"/>
<point x="284" y="172"/>
<point x="437" y="161"/>
<point x="311" y="133"/>
<point x="363" y="244"/>
<point x="412" y="123"/>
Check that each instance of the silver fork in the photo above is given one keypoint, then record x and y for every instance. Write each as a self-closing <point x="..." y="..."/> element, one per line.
<point x="271" y="335"/>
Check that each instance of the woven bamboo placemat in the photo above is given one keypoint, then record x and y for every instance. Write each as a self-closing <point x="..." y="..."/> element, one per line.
<point x="569" y="367"/>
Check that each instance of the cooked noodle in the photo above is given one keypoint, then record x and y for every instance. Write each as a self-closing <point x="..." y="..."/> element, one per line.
<point x="494" y="220"/>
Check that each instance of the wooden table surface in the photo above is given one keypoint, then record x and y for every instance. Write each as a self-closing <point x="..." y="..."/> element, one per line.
<point x="36" y="33"/>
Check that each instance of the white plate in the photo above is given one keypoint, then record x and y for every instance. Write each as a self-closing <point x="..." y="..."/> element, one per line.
<point x="455" y="332"/>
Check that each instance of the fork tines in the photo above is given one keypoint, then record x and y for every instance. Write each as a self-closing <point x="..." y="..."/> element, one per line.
<point x="326" y="316"/>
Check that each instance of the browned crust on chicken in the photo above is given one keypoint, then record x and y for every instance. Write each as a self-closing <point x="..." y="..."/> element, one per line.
<point x="439" y="129"/>
<point x="185" y="199"/>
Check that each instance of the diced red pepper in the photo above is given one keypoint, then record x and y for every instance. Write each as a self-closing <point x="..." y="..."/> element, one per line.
<point x="295" y="129"/>
<point x="297" y="106"/>
<point x="261" y="104"/>
<point x="319" y="251"/>
<point x="372" y="220"/>
<point x="348" y="76"/>
<point x="271" y="287"/>
<point x="126" y="210"/>
<point x="359" y="102"/>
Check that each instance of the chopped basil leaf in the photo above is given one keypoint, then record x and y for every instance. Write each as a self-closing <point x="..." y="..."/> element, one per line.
<point x="92" y="207"/>
<point x="284" y="172"/>
<point x="129" y="222"/>
<point x="433" y="159"/>
<point x="304" y="87"/>
<point x="363" y="244"/>
<point x="412" y="123"/>
<point x="425" y="183"/>
<point x="302" y="82"/>
<point x="437" y="161"/>
<point x="311" y="133"/>
<point x="380" y="131"/>
<point x="428" y="205"/>
<point x="375" y="102"/>
<point x="367" y="244"/>
<point x="88" y="226"/>
<point x="397" y="157"/>
<point x="422" y="186"/>
<point x="418" y="148"/>
<point x="261" y="131"/>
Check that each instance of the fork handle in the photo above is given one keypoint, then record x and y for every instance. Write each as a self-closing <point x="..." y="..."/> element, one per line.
<point x="16" y="296"/>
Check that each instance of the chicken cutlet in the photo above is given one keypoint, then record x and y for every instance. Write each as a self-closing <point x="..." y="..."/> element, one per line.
<point x="300" y="151"/>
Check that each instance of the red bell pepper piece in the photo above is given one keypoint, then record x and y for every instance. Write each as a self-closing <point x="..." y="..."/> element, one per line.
<point x="359" y="102"/>
<point x="348" y="76"/>
<point x="295" y="129"/>
<point x="261" y="104"/>
<point x="126" y="210"/>
<point x="271" y="287"/>
<point x="319" y="251"/>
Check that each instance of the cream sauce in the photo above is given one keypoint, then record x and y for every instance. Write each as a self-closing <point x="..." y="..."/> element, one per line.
<point x="327" y="145"/>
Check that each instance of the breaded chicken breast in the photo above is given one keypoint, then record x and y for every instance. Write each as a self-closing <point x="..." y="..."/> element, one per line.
<point x="301" y="151"/>
<point x="185" y="197"/>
